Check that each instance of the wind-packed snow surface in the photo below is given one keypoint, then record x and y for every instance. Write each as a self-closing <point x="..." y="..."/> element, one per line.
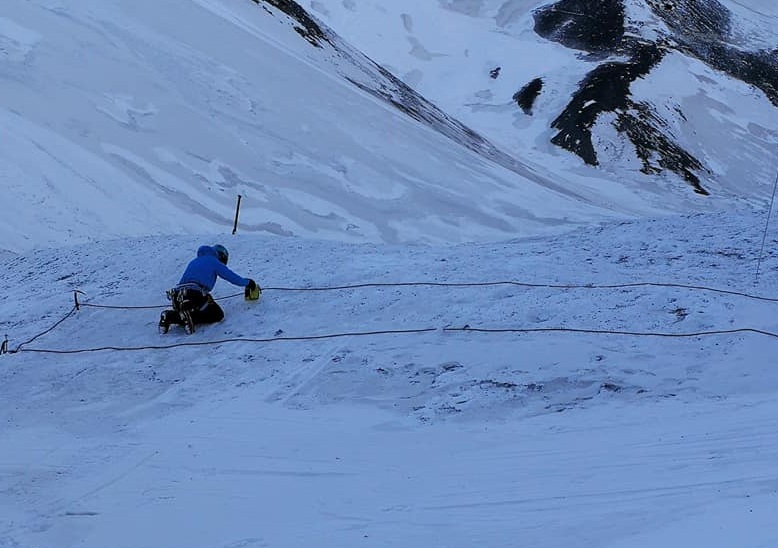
<point x="380" y="414"/>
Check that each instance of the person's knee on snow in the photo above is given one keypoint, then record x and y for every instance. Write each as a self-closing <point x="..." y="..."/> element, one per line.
<point x="210" y="312"/>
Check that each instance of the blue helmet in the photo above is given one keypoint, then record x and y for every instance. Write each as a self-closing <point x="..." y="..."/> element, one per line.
<point x="221" y="253"/>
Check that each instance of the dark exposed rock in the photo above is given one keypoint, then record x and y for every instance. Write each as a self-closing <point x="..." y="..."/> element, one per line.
<point x="606" y="89"/>
<point x="526" y="96"/>
<point x="640" y="125"/>
<point x="694" y="20"/>
<point x="308" y="29"/>
<point x="701" y="29"/>
<point x="698" y="28"/>
<point x="589" y="25"/>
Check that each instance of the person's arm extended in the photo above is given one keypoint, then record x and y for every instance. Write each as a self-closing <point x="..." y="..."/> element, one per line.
<point x="230" y="276"/>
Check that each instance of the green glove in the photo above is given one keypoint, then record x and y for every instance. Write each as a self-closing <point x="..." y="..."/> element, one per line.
<point x="252" y="291"/>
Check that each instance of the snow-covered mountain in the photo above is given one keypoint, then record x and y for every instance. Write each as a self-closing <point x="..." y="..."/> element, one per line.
<point x="636" y="87"/>
<point x="188" y="103"/>
<point x="610" y="386"/>
<point x="174" y="109"/>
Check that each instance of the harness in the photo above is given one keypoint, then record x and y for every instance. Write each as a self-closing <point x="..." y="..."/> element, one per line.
<point x="188" y="296"/>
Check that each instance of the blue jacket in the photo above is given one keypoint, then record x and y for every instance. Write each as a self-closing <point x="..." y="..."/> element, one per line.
<point x="204" y="269"/>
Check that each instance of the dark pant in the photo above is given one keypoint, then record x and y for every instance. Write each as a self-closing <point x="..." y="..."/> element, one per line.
<point x="200" y="306"/>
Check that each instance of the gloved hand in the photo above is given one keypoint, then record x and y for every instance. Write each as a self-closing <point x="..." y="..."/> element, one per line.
<point x="252" y="291"/>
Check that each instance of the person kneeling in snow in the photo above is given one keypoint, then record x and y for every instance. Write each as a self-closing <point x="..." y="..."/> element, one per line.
<point x="191" y="298"/>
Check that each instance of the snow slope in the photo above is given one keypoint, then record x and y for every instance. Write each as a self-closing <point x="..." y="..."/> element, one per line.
<point x="331" y="418"/>
<point x="174" y="109"/>
<point x="150" y="106"/>
<point x="448" y="51"/>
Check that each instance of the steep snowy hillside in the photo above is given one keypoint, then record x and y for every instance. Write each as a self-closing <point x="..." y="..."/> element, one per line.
<point x="640" y="89"/>
<point x="187" y="104"/>
<point x="173" y="109"/>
